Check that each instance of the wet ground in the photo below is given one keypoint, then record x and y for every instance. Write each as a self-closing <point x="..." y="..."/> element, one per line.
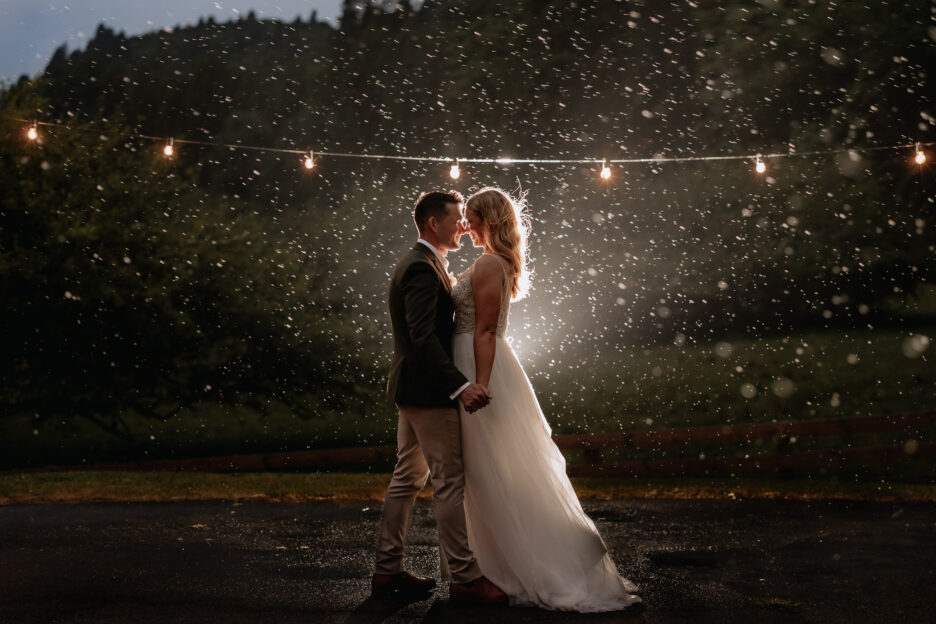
<point x="695" y="561"/>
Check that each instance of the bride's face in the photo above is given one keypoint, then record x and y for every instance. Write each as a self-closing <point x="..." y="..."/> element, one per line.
<point x="475" y="227"/>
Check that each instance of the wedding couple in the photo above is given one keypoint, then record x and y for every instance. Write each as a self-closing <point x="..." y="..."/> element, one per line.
<point x="511" y="529"/>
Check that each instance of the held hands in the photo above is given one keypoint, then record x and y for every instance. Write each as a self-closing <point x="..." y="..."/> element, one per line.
<point x="474" y="397"/>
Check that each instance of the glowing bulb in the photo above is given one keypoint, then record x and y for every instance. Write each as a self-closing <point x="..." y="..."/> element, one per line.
<point x="605" y="171"/>
<point x="33" y="133"/>
<point x="169" y="149"/>
<point x="920" y="157"/>
<point x="759" y="166"/>
<point x="454" y="172"/>
<point x="309" y="161"/>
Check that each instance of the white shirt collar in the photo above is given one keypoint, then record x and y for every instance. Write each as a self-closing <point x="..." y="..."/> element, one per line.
<point x="435" y="251"/>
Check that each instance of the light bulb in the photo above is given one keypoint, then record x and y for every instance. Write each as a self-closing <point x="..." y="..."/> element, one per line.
<point x="759" y="166"/>
<point x="920" y="157"/>
<point x="168" y="150"/>
<point x="605" y="171"/>
<point x="33" y="133"/>
<point x="309" y="161"/>
<point x="454" y="171"/>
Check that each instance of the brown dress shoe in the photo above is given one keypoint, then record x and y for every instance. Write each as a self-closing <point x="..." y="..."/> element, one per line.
<point x="480" y="591"/>
<point x="401" y="583"/>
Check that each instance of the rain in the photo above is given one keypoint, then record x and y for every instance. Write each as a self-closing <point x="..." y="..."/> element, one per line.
<point x="728" y="337"/>
<point x="198" y="240"/>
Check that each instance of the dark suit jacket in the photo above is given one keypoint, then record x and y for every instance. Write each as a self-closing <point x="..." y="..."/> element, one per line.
<point x="423" y="316"/>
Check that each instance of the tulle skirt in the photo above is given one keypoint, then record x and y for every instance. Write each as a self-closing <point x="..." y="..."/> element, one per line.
<point x="525" y="523"/>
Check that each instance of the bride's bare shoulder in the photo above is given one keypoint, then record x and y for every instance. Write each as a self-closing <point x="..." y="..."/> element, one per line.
<point x="487" y="268"/>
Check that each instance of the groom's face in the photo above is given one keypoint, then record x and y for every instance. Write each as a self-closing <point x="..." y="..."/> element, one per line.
<point x="449" y="229"/>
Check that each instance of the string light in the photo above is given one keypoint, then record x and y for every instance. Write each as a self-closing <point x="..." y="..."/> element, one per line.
<point x="605" y="171"/>
<point x="32" y="134"/>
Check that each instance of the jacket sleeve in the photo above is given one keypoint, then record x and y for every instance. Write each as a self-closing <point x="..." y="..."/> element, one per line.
<point x="420" y="288"/>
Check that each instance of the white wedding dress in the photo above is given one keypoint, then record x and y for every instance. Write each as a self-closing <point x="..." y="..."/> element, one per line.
<point x="525" y="524"/>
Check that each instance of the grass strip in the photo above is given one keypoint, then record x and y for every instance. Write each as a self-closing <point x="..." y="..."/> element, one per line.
<point x="99" y="486"/>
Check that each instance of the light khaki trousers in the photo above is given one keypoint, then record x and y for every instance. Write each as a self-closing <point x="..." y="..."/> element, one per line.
<point x="428" y="444"/>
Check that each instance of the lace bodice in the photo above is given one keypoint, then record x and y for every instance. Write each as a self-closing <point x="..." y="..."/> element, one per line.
<point x="463" y="296"/>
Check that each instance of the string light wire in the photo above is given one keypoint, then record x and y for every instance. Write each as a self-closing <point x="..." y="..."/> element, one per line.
<point x="518" y="161"/>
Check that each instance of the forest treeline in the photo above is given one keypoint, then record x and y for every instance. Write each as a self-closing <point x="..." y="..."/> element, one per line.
<point x="131" y="281"/>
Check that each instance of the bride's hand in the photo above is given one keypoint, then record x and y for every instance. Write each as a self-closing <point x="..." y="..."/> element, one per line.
<point x="486" y="392"/>
<point x="474" y="397"/>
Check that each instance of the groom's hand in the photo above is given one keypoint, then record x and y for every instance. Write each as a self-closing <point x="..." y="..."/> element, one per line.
<point x="474" y="397"/>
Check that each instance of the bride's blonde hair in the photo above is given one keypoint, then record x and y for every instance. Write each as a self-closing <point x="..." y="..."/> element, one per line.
<point x="507" y="231"/>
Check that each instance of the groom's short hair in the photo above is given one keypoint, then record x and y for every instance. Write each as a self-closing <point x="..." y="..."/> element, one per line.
<point x="432" y="204"/>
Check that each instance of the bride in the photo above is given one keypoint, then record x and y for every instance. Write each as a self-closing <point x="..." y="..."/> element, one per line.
<point x="525" y="524"/>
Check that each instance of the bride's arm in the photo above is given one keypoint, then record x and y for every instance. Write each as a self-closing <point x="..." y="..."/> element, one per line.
<point x="487" y="280"/>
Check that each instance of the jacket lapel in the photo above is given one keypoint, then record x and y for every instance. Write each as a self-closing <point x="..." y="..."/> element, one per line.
<point x="439" y="269"/>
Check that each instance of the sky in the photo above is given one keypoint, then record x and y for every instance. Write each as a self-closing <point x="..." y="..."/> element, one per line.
<point x="31" y="30"/>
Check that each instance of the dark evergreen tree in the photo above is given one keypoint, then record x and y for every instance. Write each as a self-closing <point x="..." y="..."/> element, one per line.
<point x="59" y="57"/>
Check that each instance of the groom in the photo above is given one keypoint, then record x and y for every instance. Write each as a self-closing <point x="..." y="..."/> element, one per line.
<point x="425" y="386"/>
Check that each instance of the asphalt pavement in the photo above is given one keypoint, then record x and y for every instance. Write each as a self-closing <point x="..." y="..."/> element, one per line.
<point x="716" y="561"/>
